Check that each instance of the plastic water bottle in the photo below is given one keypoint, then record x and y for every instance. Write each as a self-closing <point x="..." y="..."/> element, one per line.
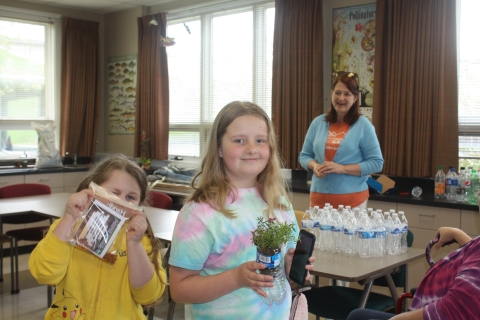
<point x="474" y="188"/>
<point x="404" y="224"/>
<point x="325" y="231"/>
<point x="365" y="236"/>
<point x="350" y="236"/>
<point x="451" y="182"/>
<point x="396" y="232"/>
<point x="307" y="222"/>
<point x="440" y="184"/>
<point x="468" y="174"/>
<point x="370" y="213"/>
<point x="461" y="192"/>
<point x="388" y="223"/>
<point x="315" y="216"/>
<point x="275" y="267"/>
<point x="341" y="207"/>
<point x="336" y="232"/>
<point x="380" y="236"/>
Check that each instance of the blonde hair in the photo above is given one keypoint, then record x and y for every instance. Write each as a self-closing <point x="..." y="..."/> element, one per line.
<point x="211" y="184"/>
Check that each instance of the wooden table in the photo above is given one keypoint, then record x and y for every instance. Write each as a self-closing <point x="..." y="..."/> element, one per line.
<point x="355" y="269"/>
<point x="53" y="206"/>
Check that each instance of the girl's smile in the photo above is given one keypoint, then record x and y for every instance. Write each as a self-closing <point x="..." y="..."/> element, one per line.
<point x="245" y="150"/>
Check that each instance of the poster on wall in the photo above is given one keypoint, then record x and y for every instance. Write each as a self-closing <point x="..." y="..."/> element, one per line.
<point x="354" y="48"/>
<point x="122" y="84"/>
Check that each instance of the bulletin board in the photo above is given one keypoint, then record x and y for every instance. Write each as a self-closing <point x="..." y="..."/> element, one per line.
<point x="122" y="86"/>
<point x="354" y="47"/>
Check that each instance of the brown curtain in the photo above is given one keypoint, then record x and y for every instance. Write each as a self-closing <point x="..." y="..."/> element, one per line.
<point x="297" y="88"/>
<point x="152" y="111"/>
<point x="80" y="88"/>
<point x="415" y="109"/>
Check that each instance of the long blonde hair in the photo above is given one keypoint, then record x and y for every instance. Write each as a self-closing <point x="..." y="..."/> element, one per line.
<point x="211" y="184"/>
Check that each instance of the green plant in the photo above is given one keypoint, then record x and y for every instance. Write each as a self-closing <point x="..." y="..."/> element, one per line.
<point x="271" y="234"/>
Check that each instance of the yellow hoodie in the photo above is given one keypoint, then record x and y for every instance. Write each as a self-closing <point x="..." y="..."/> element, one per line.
<point x="87" y="287"/>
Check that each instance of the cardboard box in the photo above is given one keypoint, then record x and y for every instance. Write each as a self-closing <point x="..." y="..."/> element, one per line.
<point x="382" y="184"/>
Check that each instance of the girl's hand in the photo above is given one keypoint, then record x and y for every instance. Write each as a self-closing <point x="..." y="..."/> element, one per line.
<point x="137" y="227"/>
<point x="79" y="202"/>
<point x="246" y="276"/>
<point x="288" y="263"/>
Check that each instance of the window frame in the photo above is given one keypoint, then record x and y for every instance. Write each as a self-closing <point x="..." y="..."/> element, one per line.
<point x="52" y="67"/>
<point x="258" y="71"/>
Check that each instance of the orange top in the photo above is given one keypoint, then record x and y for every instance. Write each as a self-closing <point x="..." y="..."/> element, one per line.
<point x="336" y="133"/>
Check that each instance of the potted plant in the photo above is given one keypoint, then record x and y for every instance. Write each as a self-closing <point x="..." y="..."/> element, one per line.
<point x="269" y="237"/>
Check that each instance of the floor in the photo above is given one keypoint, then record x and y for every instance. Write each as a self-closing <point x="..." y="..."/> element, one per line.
<point x="31" y="302"/>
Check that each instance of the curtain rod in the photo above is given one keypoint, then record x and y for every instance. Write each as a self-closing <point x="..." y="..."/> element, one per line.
<point x="31" y="12"/>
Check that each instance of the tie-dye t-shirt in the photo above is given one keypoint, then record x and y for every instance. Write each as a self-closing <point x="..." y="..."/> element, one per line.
<point x="451" y="288"/>
<point x="206" y="240"/>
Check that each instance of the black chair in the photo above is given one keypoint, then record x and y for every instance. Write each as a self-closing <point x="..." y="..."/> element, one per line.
<point x="6" y="239"/>
<point x="336" y="302"/>
<point x="27" y="234"/>
<point x="162" y="201"/>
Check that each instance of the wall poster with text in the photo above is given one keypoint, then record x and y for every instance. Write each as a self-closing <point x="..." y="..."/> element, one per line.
<point x="122" y="84"/>
<point x="354" y="47"/>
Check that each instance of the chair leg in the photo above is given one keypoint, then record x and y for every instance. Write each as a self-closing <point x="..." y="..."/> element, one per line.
<point x="12" y="285"/>
<point x="151" y="312"/>
<point x="17" y="281"/>
<point x="1" y="262"/>
<point x="49" y="295"/>
<point x="171" y="309"/>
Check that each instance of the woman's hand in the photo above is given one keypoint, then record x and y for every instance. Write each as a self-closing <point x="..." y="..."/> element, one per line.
<point x="330" y="167"/>
<point x="137" y="227"/>
<point x="447" y="234"/>
<point x="79" y="202"/>
<point x="288" y="263"/>
<point x="246" y="276"/>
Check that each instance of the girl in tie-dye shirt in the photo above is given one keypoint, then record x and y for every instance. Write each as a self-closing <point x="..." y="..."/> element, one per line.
<point x="213" y="268"/>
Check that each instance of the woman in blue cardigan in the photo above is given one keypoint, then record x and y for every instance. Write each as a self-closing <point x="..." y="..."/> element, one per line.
<point x="342" y="149"/>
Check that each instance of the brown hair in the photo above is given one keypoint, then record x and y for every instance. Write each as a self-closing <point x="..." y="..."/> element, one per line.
<point x="214" y="187"/>
<point x="102" y="171"/>
<point x="350" y="80"/>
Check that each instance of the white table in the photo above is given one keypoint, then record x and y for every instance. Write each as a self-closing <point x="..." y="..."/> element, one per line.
<point x="53" y="206"/>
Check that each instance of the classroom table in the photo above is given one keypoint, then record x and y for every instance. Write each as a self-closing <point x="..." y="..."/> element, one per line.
<point x="53" y="206"/>
<point x="355" y="269"/>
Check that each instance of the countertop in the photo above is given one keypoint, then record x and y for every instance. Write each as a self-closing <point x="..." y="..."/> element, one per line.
<point x="12" y="171"/>
<point x="426" y="199"/>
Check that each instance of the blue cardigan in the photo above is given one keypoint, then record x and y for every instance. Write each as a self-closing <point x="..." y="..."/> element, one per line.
<point x="359" y="146"/>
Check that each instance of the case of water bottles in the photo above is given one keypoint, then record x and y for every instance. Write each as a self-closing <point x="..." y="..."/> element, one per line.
<point x="366" y="234"/>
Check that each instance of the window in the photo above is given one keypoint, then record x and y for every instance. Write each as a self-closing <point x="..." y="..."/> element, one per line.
<point x="218" y="57"/>
<point x="468" y="85"/>
<point x="26" y="80"/>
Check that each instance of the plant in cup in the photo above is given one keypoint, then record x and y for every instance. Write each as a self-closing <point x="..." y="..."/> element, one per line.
<point x="269" y="237"/>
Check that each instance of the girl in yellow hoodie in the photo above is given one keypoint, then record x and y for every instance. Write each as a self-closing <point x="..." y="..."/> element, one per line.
<point x="86" y="286"/>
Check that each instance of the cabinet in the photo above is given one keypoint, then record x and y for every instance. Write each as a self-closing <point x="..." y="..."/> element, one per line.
<point x="8" y="180"/>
